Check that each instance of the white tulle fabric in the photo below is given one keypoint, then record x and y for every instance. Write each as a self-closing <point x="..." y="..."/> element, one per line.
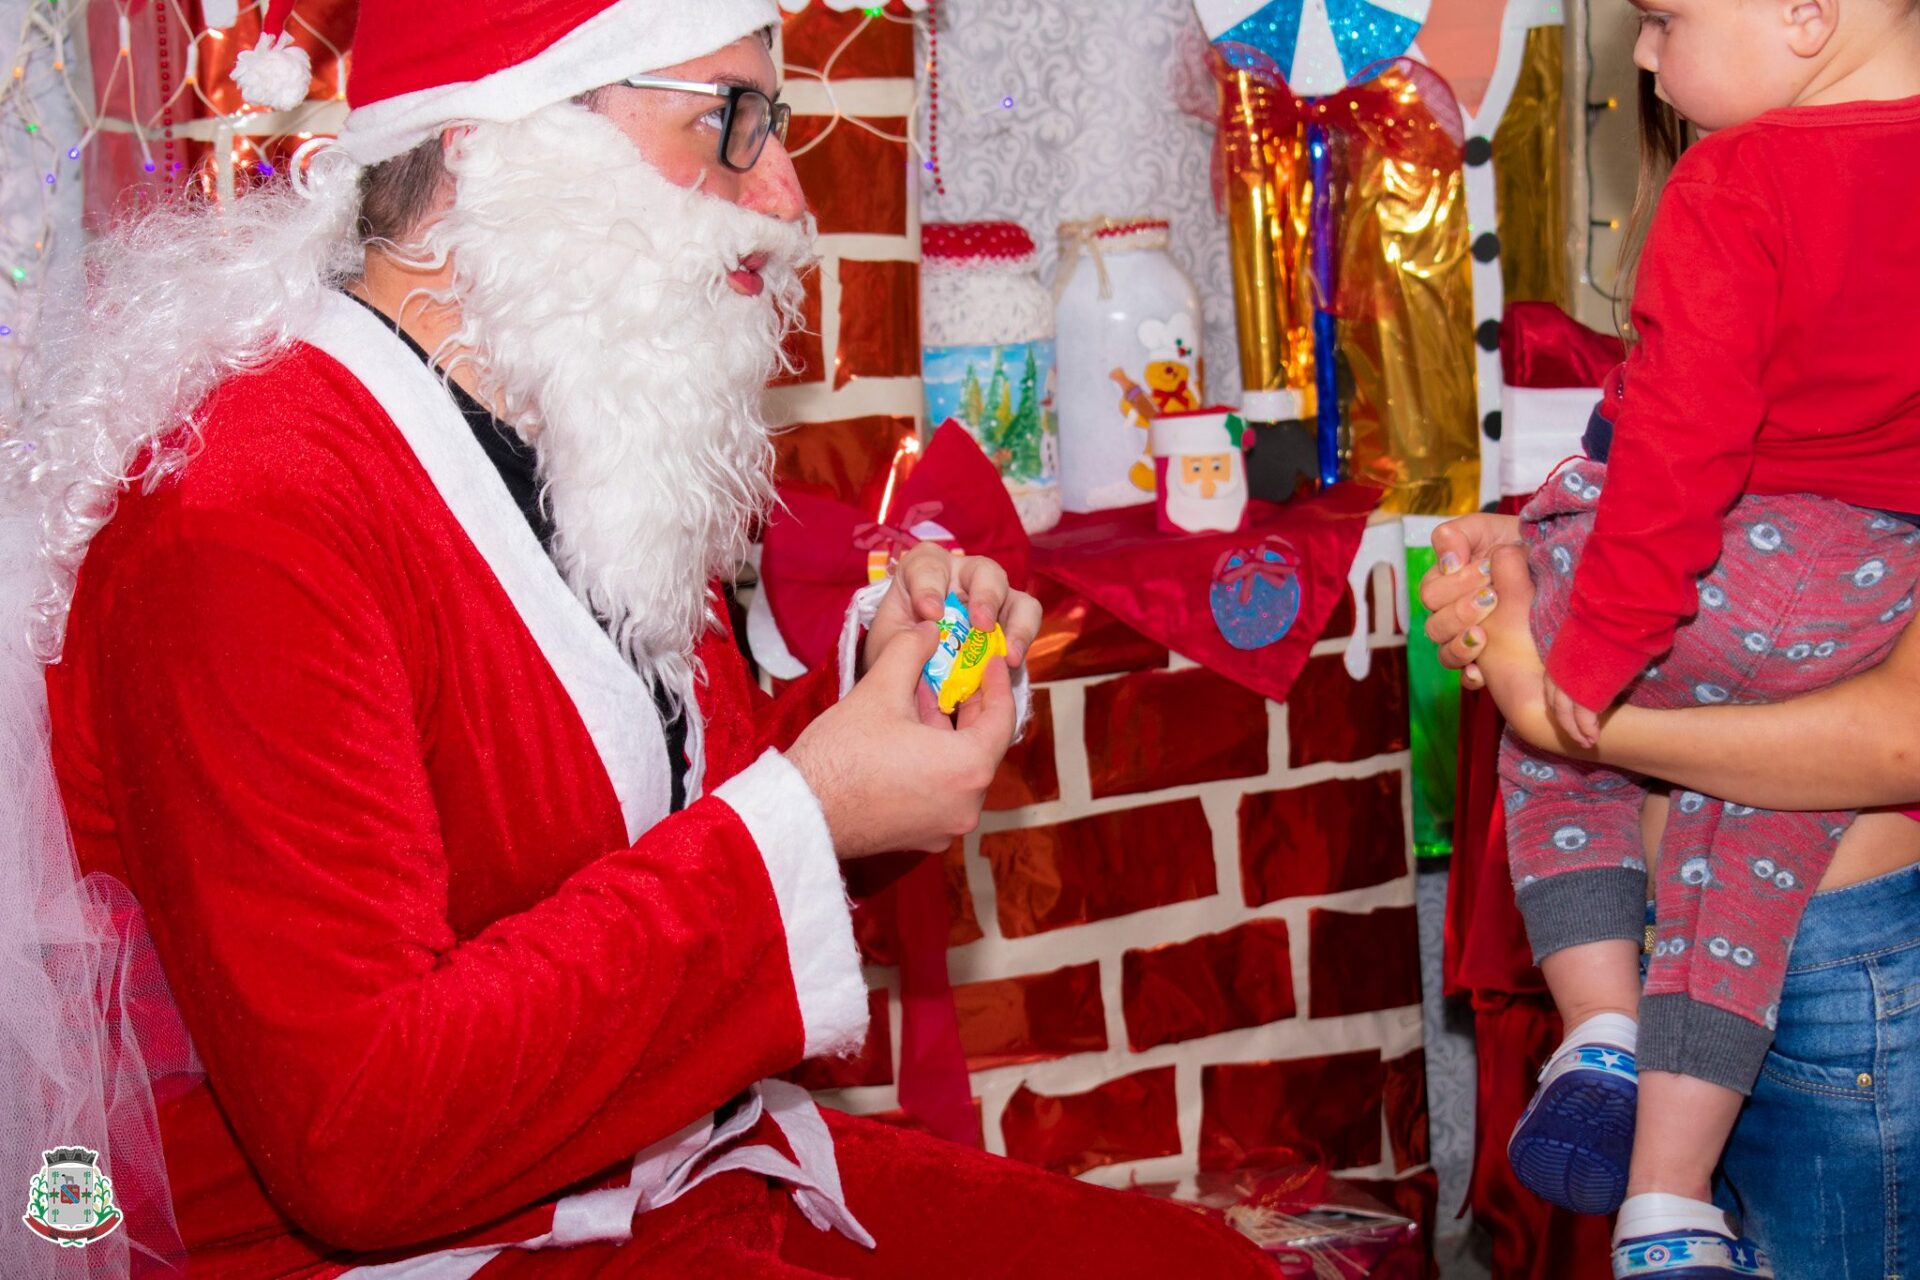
<point x="88" y="1029"/>
<point x="89" y="1032"/>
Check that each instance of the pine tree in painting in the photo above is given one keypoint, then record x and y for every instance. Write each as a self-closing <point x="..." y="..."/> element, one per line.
<point x="1022" y="440"/>
<point x="973" y="402"/>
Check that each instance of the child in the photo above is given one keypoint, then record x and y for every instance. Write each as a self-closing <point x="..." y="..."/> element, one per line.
<point x="1734" y="534"/>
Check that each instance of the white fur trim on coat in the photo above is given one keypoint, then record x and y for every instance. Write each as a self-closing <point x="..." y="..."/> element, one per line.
<point x="784" y="817"/>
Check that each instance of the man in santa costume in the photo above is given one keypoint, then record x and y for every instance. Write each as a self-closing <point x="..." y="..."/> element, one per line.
<point x="383" y="510"/>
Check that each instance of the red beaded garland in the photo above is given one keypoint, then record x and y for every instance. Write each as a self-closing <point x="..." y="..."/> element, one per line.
<point x="933" y="95"/>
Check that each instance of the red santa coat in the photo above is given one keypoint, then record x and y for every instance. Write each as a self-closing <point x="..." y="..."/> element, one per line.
<point x="466" y="997"/>
<point x="395" y="808"/>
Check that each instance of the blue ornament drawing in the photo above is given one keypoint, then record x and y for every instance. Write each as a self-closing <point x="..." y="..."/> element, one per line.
<point x="1255" y="594"/>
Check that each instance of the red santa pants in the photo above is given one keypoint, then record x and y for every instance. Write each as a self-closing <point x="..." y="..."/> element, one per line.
<point x="936" y="1210"/>
<point x="1806" y="592"/>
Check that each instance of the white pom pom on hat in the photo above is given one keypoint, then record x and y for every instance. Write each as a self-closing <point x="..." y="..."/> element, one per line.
<point x="276" y="72"/>
<point x="422" y="65"/>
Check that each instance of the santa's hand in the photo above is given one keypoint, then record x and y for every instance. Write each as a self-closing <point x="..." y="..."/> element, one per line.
<point x="921" y="581"/>
<point x="887" y="780"/>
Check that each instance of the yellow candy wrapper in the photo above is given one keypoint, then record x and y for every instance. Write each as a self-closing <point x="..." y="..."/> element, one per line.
<point x="960" y="663"/>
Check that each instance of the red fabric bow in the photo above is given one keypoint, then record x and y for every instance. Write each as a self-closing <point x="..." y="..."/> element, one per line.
<point x="896" y="540"/>
<point x="816" y="547"/>
<point x="1399" y="106"/>
<point x="1255" y="567"/>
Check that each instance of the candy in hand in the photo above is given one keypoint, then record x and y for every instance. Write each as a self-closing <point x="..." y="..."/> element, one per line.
<point x="960" y="663"/>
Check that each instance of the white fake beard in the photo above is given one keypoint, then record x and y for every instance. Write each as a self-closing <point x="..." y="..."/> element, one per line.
<point x="595" y="307"/>
<point x="1189" y="509"/>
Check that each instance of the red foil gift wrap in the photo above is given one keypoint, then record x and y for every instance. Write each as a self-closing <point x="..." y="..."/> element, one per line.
<point x="1332" y="718"/>
<point x="1135" y="1117"/>
<point x="1031" y="1017"/>
<point x="1202" y="987"/>
<point x="1028" y="775"/>
<point x="826" y="152"/>
<point x="1099" y="867"/>
<point x="1313" y="1227"/>
<point x="1359" y="963"/>
<point x="1406" y="1104"/>
<point x="1157" y="729"/>
<point x="879" y="321"/>
<point x="848" y="460"/>
<point x="1325" y="837"/>
<point x="859" y="44"/>
<point x="1252" y="1112"/>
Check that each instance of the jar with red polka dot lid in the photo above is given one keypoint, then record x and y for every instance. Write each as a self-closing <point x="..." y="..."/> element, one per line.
<point x="986" y="331"/>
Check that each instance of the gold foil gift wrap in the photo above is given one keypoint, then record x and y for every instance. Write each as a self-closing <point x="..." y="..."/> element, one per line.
<point x="1263" y="154"/>
<point x="1405" y="285"/>
<point x="1530" y="177"/>
<point x="1404" y="288"/>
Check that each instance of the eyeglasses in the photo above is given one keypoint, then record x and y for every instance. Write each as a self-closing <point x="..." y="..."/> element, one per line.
<point x="750" y="117"/>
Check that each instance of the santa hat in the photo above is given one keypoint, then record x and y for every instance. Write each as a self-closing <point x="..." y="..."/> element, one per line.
<point x="1181" y="435"/>
<point x="421" y="65"/>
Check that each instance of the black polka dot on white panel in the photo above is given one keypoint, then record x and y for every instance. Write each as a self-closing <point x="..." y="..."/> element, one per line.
<point x="1488" y="335"/>
<point x="1486" y="247"/>
<point x="1491" y="425"/>
<point x="1479" y="151"/>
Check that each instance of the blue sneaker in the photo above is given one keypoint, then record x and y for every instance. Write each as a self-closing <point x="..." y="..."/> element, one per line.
<point x="1575" y="1138"/>
<point x="1690" y="1255"/>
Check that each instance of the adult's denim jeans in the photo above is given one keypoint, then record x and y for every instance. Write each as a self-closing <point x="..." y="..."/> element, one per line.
<point x="1824" y="1166"/>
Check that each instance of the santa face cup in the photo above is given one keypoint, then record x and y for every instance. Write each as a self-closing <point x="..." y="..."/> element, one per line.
<point x="1201" y="474"/>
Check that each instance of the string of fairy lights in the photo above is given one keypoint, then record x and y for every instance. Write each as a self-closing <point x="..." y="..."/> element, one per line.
<point x="1600" y="111"/>
<point x="924" y="16"/>
<point x="158" y="104"/>
<point x="55" y="111"/>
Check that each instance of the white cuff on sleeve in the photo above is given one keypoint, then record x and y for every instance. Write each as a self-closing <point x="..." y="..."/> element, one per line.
<point x="784" y="818"/>
<point x="860" y="613"/>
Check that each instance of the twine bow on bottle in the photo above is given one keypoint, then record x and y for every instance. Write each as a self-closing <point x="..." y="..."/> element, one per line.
<point x="1078" y="237"/>
<point x="1255" y="567"/>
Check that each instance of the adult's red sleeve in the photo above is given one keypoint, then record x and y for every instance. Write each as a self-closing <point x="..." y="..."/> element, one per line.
<point x="391" y="1081"/>
<point x="779" y="719"/>
<point x="1683" y="450"/>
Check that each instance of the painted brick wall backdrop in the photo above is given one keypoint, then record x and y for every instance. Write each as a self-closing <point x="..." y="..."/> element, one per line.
<point x="856" y="391"/>
<point x="1185" y="935"/>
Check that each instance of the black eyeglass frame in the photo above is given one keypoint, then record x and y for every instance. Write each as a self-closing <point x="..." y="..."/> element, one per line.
<point x="777" y="117"/>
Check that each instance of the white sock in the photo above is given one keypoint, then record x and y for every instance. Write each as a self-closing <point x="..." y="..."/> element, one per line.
<point x="1615" y="1029"/>
<point x="1655" y="1213"/>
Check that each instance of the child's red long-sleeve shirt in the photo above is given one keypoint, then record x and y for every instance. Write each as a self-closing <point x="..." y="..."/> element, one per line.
<point x="1778" y="308"/>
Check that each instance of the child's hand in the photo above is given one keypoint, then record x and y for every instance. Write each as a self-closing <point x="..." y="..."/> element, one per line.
<point x="1574" y="720"/>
